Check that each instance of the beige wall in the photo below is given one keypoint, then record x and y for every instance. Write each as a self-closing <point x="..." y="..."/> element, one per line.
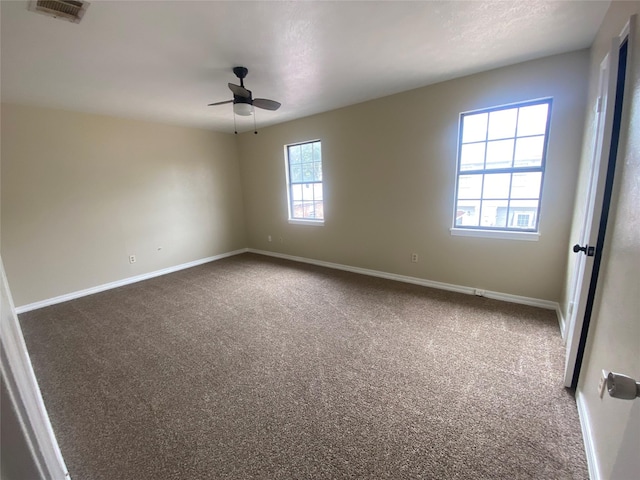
<point x="389" y="173"/>
<point x="80" y="193"/>
<point x="614" y="335"/>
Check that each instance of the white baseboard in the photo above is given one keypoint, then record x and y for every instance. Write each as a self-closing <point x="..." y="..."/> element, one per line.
<point x="587" y="436"/>
<point x="505" y="297"/>
<point x="125" y="281"/>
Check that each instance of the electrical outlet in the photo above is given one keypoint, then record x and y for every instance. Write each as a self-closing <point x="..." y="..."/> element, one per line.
<point x="132" y="259"/>
<point x="414" y="258"/>
<point x="269" y="238"/>
<point x="602" y="384"/>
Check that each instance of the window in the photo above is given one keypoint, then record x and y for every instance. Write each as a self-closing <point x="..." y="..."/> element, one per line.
<point x="501" y="161"/>
<point x="304" y="178"/>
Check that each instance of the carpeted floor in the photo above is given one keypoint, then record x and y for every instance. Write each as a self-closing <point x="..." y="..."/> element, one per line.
<point x="257" y="368"/>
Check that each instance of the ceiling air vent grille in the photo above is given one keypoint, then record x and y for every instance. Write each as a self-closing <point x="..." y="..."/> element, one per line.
<point x="70" y="10"/>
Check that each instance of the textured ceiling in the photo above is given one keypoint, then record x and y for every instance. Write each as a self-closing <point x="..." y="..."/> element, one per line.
<point x="166" y="60"/>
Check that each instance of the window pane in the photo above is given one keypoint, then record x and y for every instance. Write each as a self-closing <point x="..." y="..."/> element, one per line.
<point x="294" y="154"/>
<point x="502" y="123"/>
<point x="494" y="213"/>
<point x="307" y="172"/>
<point x="297" y="209"/>
<point x="524" y="204"/>
<point x="529" y="151"/>
<point x="469" y="186"/>
<point x="474" y="127"/>
<point x="523" y="217"/>
<point x="296" y="173"/>
<point x="317" y="191"/>
<point x="533" y="120"/>
<point x="317" y="153"/>
<point x="468" y="213"/>
<point x="499" y="154"/>
<point x="296" y="192"/>
<point x="307" y="152"/>
<point x="472" y="156"/>
<point x="313" y="210"/>
<point x="526" y="185"/>
<point x="307" y="192"/>
<point x="317" y="171"/>
<point x="496" y="185"/>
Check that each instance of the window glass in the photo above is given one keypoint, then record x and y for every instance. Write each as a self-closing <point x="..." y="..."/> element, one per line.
<point x="472" y="156"/>
<point x="502" y="124"/>
<point x="304" y="167"/>
<point x="500" y="154"/>
<point x="501" y="167"/>
<point x="475" y="128"/>
<point x="496" y="185"/>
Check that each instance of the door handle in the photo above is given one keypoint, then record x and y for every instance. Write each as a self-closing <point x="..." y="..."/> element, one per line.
<point x="621" y="386"/>
<point x="588" y="251"/>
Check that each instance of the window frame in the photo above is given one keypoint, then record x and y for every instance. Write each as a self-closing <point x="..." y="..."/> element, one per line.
<point x="505" y="232"/>
<point x="290" y="184"/>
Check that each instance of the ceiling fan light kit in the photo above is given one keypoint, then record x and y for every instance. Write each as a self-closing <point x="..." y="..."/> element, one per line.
<point x="243" y="109"/>
<point x="243" y="101"/>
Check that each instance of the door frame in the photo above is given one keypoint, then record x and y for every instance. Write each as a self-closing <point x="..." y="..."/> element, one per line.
<point x="24" y="392"/>
<point x="609" y="108"/>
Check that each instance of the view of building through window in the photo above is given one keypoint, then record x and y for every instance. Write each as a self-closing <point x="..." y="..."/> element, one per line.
<point x="304" y="164"/>
<point x="501" y="166"/>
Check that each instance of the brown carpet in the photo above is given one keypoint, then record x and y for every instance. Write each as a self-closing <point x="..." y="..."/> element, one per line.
<point x="252" y="367"/>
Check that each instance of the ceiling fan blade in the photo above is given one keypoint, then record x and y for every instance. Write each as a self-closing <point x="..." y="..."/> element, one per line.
<point x="266" y="103"/>
<point x="220" y="103"/>
<point x="239" y="91"/>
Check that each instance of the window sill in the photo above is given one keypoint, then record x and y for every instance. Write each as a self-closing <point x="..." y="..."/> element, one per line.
<point x="299" y="221"/>
<point x="504" y="235"/>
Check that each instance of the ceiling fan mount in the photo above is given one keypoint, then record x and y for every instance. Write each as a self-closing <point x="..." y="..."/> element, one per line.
<point x="240" y="72"/>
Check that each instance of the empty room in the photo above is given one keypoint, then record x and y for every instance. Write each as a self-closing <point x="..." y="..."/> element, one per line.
<point x="314" y="240"/>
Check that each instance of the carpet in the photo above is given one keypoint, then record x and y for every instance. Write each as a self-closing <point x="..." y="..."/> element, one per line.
<point x="252" y="367"/>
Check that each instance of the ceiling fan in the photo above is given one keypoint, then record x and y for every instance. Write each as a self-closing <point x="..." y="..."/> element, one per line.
<point x="243" y="101"/>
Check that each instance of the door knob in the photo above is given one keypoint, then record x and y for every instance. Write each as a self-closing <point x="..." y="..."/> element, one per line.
<point x="621" y="386"/>
<point x="588" y="251"/>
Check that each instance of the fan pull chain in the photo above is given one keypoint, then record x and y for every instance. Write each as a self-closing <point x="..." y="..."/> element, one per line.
<point x="255" y="130"/>
<point x="235" y="129"/>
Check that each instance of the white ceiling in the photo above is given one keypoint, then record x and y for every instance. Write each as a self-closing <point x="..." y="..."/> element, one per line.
<point x="166" y="60"/>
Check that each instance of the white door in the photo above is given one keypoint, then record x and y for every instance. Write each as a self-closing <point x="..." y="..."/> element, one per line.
<point x="595" y="194"/>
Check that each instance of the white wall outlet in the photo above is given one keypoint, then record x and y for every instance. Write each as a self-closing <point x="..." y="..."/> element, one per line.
<point x="269" y="238"/>
<point x="478" y="292"/>
<point x="602" y="383"/>
<point x="414" y="258"/>
<point x="132" y="259"/>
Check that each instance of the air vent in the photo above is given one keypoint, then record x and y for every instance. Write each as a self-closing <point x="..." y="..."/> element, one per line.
<point x="70" y="10"/>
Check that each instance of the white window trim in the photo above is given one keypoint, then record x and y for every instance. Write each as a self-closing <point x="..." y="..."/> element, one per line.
<point x="290" y="219"/>
<point x="501" y="234"/>
<point x="300" y="221"/>
<point x="512" y="234"/>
